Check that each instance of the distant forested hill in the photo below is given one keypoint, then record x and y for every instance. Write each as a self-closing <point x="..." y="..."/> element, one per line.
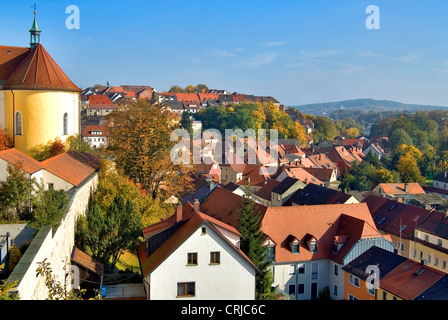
<point x="362" y="108"/>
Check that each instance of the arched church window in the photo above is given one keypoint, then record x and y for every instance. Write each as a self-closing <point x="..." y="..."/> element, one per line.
<point x="18" y="124"/>
<point x="66" y="123"/>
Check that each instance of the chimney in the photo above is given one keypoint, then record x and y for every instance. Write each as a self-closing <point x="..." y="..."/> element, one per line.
<point x="179" y="212"/>
<point x="196" y="205"/>
<point x="406" y="187"/>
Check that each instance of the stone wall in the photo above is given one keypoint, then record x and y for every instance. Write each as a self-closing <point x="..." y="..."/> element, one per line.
<point x="53" y="244"/>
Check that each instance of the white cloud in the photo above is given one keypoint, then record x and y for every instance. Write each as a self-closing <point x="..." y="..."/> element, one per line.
<point x="259" y="60"/>
<point x="411" y="57"/>
<point x="271" y="44"/>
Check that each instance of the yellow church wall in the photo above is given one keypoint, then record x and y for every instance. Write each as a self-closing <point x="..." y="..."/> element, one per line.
<point x="42" y="114"/>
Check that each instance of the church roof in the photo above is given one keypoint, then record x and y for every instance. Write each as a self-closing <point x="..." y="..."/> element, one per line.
<point x="38" y="71"/>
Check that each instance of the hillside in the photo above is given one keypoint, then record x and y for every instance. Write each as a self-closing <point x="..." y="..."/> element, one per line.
<point x="351" y="108"/>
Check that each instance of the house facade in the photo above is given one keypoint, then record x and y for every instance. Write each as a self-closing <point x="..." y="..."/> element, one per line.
<point x="193" y="256"/>
<point x="310" y="244"/>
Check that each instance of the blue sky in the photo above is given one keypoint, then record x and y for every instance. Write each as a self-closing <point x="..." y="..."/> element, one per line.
<point x="299" y="51"/>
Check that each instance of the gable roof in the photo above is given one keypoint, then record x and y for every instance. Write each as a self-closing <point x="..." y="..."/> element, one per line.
<point x="385" y="260"/>
<point x="38" y="71"/>
<point x="285" y="185"/>
<point x="300" y="174"/>
<point x="402" y="188"/>
<point x="68" y="168"/>
<point x="410" y="279"/>
<point x="14" y="156"/>
<point x="223" y="205"/>
<point x="314" y="194"/>
<point x="265" y="191"/>
<point x="394" y="217"/>
<point x="192" y="220"/>
<point x="322" y="222"/>
<point x="86" y="261"/>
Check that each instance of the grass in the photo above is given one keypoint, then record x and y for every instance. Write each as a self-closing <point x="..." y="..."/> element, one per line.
<point x="128" y="260"/>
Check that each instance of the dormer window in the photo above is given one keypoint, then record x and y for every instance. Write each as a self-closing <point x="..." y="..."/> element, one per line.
<point x="338" y="243"/>
<point x="313" y="245"/>
<point x="294" y="244"/>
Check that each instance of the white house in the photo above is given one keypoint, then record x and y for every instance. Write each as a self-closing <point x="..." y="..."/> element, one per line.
<point x="193" y="256"/>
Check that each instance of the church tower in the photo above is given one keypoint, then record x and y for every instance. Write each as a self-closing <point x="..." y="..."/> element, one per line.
<point x="38" y="102"/>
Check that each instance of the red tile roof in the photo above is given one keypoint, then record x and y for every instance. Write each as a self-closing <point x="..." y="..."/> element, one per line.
<point x="10" y="59"/>
<point x="223" y="205"/>
<point x="38" y="71"/>
<point x="402" y="188"/>
<point x="14" y="156"/>
<point x="68" y="168"/>
<point x="410" y="279"/>
<point x="99" y="99"/>
<point x="324" y="223"/>
<point x="89" y="129"/>
<point x="87" y="262"/>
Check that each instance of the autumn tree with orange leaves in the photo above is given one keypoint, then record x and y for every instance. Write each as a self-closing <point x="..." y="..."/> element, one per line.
<point x="140" y="141"/>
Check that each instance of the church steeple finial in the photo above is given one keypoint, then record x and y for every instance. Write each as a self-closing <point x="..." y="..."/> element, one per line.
<point x="34" y="32"/>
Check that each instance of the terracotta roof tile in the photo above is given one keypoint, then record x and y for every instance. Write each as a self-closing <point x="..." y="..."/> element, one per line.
<point x="14" y="156"/>
<point x="87" y="262"/>
<point x="38" y="71"/>
<point x="10" y="59"/>
<point x="68" y="168"/>
<point x="323" y="222"/>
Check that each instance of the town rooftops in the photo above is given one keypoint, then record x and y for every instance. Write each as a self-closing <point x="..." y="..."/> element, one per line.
<point x="395" y="217"/>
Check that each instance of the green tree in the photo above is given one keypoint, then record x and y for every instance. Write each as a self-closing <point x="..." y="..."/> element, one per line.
<point x="47" y="206"/>
<point x="109" y="233"/>
<point x="251" y="244"/>
<point x="399" y="137"/>
<point x="76" y="143"/>
<point x="141" y="144"/>
<point x="15" y="192"/>
<point x="186" y="123"/>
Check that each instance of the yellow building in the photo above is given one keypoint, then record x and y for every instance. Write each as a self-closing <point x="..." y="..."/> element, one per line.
<point x="38" y="102"/>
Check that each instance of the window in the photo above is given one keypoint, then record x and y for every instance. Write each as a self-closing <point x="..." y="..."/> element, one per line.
<point x="271" y="253"/>
<point x="426" y="237"/>
<point x="65" y="124"/>
<point x="186" y="289"/>
<point x="292" y="289"/>
<point x="336" y="270"/>
<point x="439" y="242"/>
<point x="301" y="269"/>
<point x="301" y="288"/>
<point x="314" y="270"/>
<point x="313" y="246"/>
<point x="400" y="246"/>
<point x="192" y="259"/>
<point x="384" y="295"/>
<point x="203" y="231"/>
<point x="444" y="264"/>
<point x="19" y="124"/>
<point x="215" y="257"/>
<point x="50" y="186"/>
<point x="350" y="297"/>
<point x="292" y="269"/>
<point x="370" y="289"/>
<point x="353" y="280"/>
<point x="295" y="248"/>
<point x="436" y="261"/>
<point x="335" y="290"/>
